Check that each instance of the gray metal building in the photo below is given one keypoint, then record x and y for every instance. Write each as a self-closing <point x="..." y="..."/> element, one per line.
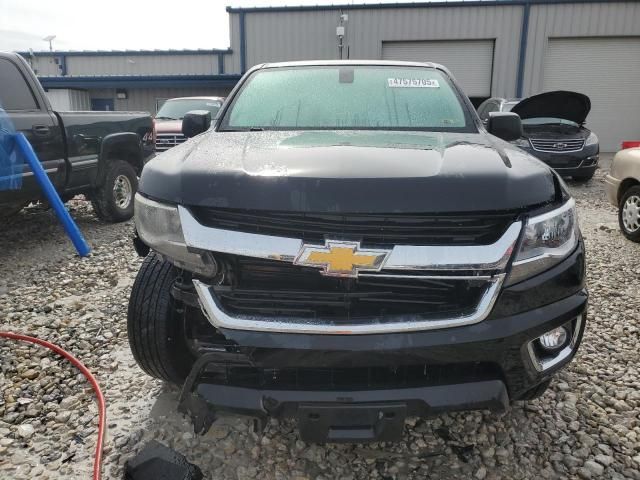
<point x="508" y="48"/>
<point x="134" y="80"/>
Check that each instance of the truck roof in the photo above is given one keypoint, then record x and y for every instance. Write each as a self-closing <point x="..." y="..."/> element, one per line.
<point x="391" y="63"/>
<point x="199" y="97"/>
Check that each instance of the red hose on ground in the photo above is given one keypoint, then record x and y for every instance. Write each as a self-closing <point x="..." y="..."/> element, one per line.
<point x="97" y="463"/>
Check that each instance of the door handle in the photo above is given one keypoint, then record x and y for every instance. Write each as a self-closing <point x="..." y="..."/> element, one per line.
<point x="41" y="130"/>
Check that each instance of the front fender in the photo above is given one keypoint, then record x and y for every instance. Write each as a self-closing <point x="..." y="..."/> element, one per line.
<point x="125" y="146"/>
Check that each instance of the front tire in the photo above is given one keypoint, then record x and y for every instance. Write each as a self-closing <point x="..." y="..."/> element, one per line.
<point x="113" y="200"/>
<point x="156" y="334"/>
<point x="629" y="213"/>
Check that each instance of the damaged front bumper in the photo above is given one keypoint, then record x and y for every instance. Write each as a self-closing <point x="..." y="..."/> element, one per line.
<point x="361" y="387"/>
<point x="335" y="415"/>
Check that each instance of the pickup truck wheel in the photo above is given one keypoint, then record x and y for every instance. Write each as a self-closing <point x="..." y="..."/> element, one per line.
<point x="113" y="200"/>
<point x="156" y="334"/>
<point x="629" y="213"/>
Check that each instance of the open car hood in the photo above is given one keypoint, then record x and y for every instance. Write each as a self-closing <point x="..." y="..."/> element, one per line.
<point x="559" y="104"/>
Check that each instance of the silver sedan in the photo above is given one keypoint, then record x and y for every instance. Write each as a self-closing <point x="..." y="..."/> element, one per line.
<point x="623" y="189"/>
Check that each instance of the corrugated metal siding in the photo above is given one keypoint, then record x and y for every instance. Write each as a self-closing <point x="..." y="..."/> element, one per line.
<point x="44" y="66"/>
<point x="614" y="90"/>
<point x="294" y="35"/>
<point x="285" y="36"/>
<point x="197" y="64"/>
<point x="144" y="99"/>
<point x="574" y="20"/>
<point x="470" y="61"/>
<point x="278" y="36"/>
<point x="80" y="100"/>
<point x="232" y="61"/>
<point x="69" y="99"/>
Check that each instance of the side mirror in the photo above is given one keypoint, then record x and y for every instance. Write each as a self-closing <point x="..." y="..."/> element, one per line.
<point x="505" y="125"/>
<point x="196" y="122"/>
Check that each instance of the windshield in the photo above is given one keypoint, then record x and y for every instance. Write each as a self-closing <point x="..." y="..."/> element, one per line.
<point x="176" y="109"/>
<point x="347" y="97"/>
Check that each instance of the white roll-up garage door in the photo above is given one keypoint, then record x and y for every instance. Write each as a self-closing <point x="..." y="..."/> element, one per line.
<point x="608" y="71"/>
<point x="470" y="61"/>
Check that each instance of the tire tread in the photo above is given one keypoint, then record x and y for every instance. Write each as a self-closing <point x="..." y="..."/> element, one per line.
<point x="633" y="190"/>
<point x="154" y="334"/>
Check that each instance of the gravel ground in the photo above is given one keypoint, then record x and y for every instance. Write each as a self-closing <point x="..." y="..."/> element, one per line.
<point x="586" y="426"/>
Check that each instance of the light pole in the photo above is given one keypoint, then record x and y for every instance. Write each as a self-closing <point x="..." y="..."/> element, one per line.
<point x="49" y="38"/>
<point x="340" y="30"/>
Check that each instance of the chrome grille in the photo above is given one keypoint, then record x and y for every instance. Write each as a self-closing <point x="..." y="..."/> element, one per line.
<point x="420" y="287"/>
<point x="275" y="289"/>
<point x="370" y="229"/>
<point x="557" y="146"/>
<point x="345" y="311"/>
<point x="165" y="141"/>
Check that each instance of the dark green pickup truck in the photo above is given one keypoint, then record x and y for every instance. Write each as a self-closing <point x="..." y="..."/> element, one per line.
<point x="99" y="154"/>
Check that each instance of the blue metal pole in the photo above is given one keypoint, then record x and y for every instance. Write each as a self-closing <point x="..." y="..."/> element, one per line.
<point x="82" y="247"/>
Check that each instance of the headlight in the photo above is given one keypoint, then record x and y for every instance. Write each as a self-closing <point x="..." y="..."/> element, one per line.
<point x="547" y="240"/>
<point x="592" y="139"/>
<point x="158" y="225"/>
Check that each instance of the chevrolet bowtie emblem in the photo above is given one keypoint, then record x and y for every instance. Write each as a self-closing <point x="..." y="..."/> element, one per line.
<point x="341" y="259"/>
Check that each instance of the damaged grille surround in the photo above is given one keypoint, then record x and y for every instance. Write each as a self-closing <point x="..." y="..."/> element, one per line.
<point x="418" y="287"/>
<point x="369" y="228"/>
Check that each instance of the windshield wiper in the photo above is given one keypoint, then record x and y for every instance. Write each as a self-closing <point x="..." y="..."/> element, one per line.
<point x="249" y="129"/>
<point x="233" y="130"/>
<point x="166" y="118"/>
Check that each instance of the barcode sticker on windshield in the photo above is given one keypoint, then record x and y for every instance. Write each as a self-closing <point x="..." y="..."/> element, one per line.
<point x="412" y="83"/>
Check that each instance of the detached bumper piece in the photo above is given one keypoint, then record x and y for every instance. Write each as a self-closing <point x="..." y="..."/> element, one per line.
<point x="333" y="415"/>
<point x="158" y="462"/>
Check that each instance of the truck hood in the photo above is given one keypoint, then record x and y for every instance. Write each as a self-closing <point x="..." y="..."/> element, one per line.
<point x="349" y="171"/>
<point x="571" y="106"/>
<point x="168" y="126"/>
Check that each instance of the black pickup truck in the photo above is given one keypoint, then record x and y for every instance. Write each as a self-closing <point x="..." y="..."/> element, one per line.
<point x="99" y="154"/>
<point x="348" y="244"/>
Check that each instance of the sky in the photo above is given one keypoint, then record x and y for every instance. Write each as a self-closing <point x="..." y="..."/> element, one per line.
<point x="124" y="24"/>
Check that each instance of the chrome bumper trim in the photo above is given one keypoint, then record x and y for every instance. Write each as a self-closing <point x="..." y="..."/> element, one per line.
<point x="402" y="257"/>
<point x="546" y="145"/>
<point x="542" y="365"/>
<point x="404" y="323"/>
